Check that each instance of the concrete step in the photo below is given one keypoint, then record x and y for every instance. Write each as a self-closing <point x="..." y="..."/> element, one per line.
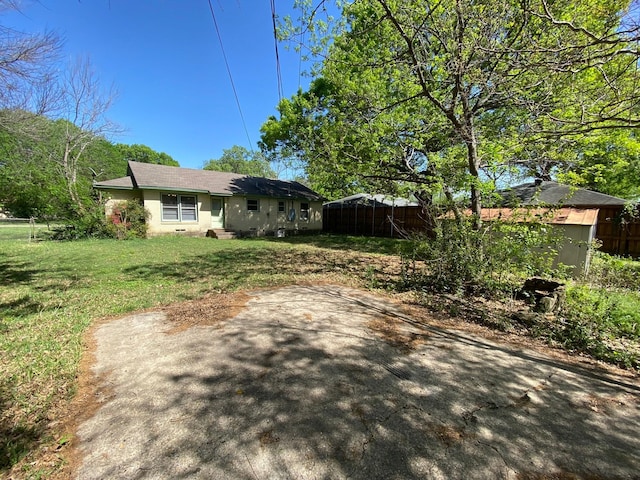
<point x="221" y="234"/>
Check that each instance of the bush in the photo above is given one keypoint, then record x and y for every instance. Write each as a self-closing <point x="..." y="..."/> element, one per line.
<point x="89" y="224"/>
<point x="128" y="220"/>
<point x="612" y="271"/>
<point x="615" y="313"/>
<point x="492" y="260"/>
<point x="601" y="322"/>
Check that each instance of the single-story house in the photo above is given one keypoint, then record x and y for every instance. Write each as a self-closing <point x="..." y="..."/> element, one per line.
<point x="189" y="201"/>
<point x="575" y="227"/>
<point x="619" y="235"/>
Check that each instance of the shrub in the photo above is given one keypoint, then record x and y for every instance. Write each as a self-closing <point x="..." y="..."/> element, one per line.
<point x="603" y="323"/>
<point x="612" y="271"/>
<point x="492" y="260"/>
<point x="128" y="220"/>
<point x="90" y="224"/>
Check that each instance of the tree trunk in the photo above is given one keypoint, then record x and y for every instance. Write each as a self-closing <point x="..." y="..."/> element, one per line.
<point x="471" y="141"/>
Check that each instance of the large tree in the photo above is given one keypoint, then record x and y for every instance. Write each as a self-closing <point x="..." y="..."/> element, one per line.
<point x="421" y="89"/>
<point x="145" y="154"/>
<point x="238" y="159"/>
<point x="83" y="107"/>
<point x="27" y="64"/>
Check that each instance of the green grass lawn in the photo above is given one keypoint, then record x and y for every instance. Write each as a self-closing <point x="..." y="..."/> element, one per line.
<point x="50" y="292"/>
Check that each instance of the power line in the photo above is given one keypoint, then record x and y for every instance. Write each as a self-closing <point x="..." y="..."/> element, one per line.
<point x="233" y="87"/>
<point x="275" y="39"/>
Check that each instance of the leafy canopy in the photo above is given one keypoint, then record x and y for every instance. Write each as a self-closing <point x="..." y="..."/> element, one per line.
<point x="238" y="159"/>
<point x="444" y="94"/>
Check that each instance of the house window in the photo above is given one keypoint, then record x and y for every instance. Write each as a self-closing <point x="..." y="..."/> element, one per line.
<point x="179" y="208"/>
<point x="253" y="205"/>
<point x="304" y="211"/>
<point x="281" y="207"/>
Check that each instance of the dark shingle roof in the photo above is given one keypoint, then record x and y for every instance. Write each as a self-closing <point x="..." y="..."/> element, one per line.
<point x="122" y="183"/>
<point x="553" y="193"/>
<point x="163" y="177"/>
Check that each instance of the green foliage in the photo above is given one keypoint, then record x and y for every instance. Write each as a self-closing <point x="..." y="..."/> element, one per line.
<point x="607" y="162"/>
<point x="144" y="154"/>
<point x="90" y="224"/>
<point x="493" y="260"/>
<point x="32" y="179"/>
<point x="599" y="322"/>
<point x="128" y="220"/>
<point x="608" y="312"/>
<point x="438" y="94"/>
<point x="240" y="160"/>
<point x="609" y="271"/>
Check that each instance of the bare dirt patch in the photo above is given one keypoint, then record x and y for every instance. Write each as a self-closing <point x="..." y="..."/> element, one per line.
<point x="207" y="311"/>
<point x="394" y="332"/>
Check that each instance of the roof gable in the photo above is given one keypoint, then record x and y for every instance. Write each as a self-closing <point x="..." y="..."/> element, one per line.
<point x="163" y="177"/>
<point x="553" y="193"/>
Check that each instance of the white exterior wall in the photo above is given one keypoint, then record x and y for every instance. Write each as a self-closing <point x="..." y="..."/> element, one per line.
<point x="159" y="227"/>
<point x="236" y="216"/>
<point x="113" y="197"/>
<point x="574" y="249"/>
<point x="268" y="219"/>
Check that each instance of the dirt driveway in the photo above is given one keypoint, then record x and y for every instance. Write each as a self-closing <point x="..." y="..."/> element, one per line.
<point x="324" y="382"/>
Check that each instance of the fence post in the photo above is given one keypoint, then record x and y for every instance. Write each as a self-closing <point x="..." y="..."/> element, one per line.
<point x="32" y="228"/>
<point x="393" y="204"/>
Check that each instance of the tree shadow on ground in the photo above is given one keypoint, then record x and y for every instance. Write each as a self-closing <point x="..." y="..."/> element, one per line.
<point x="17" y="440"/>
<point x="232" y="268"/>
<point x="12" y="273"/>
<point x="19" y="273"/>
<point x="302" y="384"/>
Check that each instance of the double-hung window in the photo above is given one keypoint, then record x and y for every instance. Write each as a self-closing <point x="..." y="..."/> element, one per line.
<point x="253" y="205"/>
<point x="304" y="211"/>
<point x="179" y="208"/>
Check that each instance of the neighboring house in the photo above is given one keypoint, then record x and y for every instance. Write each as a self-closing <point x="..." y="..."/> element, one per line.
<point x="375" y="215"/>
<point x="188" y="201"/>
<point x="619" y="235"/>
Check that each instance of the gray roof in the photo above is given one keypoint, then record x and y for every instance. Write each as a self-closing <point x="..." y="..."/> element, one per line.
<point x="553" y="193"/>
<point x="378" y="200"/>
<point x="162" y="177"/>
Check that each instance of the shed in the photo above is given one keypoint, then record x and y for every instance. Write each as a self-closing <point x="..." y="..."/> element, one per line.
<point x="576" y="226"/>
<point x="619" y="234"/>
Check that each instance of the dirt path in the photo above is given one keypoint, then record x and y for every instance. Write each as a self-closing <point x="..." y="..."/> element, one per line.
<point x="328" y="382"/>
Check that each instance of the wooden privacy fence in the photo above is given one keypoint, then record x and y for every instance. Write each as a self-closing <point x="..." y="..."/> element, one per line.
<point x="374" y="220"/>
<point x="619" y="234"/>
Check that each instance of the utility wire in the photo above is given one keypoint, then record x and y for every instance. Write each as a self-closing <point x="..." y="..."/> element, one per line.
<point x="275" y="39"/>
<point x="300" y="62"/>
<point x="233" y="87"/>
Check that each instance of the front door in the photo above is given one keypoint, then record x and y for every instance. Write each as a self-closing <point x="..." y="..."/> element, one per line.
<point x="217" y="212"/>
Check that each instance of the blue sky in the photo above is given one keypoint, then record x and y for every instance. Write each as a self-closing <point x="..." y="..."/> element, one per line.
<point x="165" y="60"/>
